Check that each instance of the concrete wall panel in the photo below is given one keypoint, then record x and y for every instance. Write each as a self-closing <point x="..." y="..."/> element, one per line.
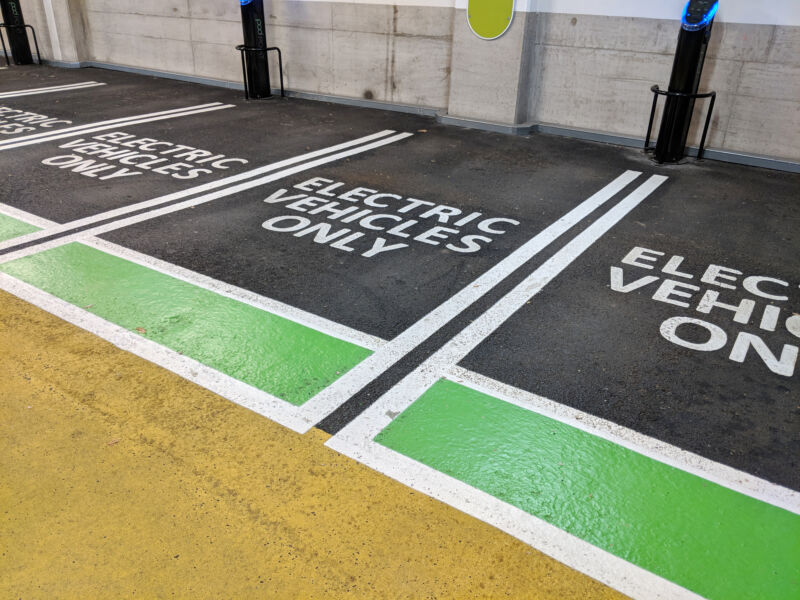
<point x="307" y="56"/>
<point x="420" y="71"/>
<point x="766" y="127"/>
<point x="786" y="46"/>
<point x="485" y="75"/>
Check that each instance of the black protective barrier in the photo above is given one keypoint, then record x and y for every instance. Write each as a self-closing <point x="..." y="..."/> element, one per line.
<point x="698" y="18"/>
<point x="17" y="32"/>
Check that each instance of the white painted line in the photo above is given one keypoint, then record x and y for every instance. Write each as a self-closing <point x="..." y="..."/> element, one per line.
<point x="723" y="475"/>
<point x="228" y="387"/>
<point x="332" y="397"/>
<point x="356" y="439"/>
<point x="38" y="138"/>
<point x="291" y="313"/>
<point x="380" y="414"/>
<point x="112" y="214"/>
<point x="50" y="90"/>
<point x="78" y="129"/>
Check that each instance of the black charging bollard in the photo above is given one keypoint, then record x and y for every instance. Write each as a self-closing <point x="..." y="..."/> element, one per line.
<point x="17" y="35"/>
<point x="255" y="42"/>
<point x="698" y="17"/>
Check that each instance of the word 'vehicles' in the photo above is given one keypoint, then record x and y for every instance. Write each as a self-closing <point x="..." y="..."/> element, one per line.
<point x="14" y="121"/>
<point x="714" y="293"/>
<point x="120" y="154"/>
<point x="371" y="222"/>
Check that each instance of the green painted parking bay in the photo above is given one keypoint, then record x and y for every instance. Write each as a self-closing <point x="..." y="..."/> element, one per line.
<point x="276" y="355"/>
<point x="707" y="538"/>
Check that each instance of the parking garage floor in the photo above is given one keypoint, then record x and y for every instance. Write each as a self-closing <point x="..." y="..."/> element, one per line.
<point x="293" y="349"/>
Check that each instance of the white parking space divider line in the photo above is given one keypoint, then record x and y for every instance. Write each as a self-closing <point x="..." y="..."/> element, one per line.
<point x="329" y="399"/>
<point x="50" y="90"/>
<point x="119" y="212"/>
<point x="38" y="138"/>
<point x="376" y="417"/>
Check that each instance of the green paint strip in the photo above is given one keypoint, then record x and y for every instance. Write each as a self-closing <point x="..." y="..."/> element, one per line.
<point x="705" y="537"/>
<point x="11" y="228"/>
<point x="276" y="355"/>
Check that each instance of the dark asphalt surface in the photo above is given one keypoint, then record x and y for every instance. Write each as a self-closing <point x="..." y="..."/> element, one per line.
<point x="579" y="342"/>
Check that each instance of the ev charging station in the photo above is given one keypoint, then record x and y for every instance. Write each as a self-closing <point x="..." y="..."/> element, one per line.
<point x="15" y="28"/>
<point x="696" y="24"/>
<point x="254" y="50"/>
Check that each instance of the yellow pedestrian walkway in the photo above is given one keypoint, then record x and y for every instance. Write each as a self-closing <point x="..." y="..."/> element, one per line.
<point x="119" y="479"/>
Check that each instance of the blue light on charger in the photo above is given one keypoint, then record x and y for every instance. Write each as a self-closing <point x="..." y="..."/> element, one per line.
<point x="707" y="18"/>
<point x="245" y="2"/>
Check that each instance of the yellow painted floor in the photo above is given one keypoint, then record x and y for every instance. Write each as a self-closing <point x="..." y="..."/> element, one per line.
<point x="119" y="479"/>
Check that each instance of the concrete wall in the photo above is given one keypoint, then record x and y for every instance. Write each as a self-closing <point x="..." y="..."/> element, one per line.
<point x="557" y="64"/>
<point x="592" y="72"/>
<point x="398" y="54"/>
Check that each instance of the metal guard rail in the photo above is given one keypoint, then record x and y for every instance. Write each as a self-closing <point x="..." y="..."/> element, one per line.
<point x="247" y="49"/>
<point x="35" y="41"/>
<point x="659" y="92"/>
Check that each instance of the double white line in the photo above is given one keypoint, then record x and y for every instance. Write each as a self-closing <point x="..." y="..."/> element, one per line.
<point x="50" y="90"/>
<point x="48" y="136"/>
<point x="356" y="379"/>
<point x="203" y="193"/>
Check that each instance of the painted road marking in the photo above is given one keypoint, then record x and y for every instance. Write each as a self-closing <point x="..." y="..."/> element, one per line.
<point x="328" y="400"/>
<point x="185" y="322"/>
<point x="112" y="214"/>
<point x="38" y="138"/>
<point x="78" y="129"/>
<point x="278" y="409"/>
<point x="278" y="356"/>
<point x="101" y="229"/>
<point x="356" y="440"/>
<point x="704" y="537"/>
<point x="242" y="295"/>
<point x="291" y="313"/>
<point x="50" y="90"/>
<point x="718" y="473"/>
<point x="234" y="390"/>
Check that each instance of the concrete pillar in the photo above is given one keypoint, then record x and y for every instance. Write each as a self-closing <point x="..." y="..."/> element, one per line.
<point x="63" y="22"/>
